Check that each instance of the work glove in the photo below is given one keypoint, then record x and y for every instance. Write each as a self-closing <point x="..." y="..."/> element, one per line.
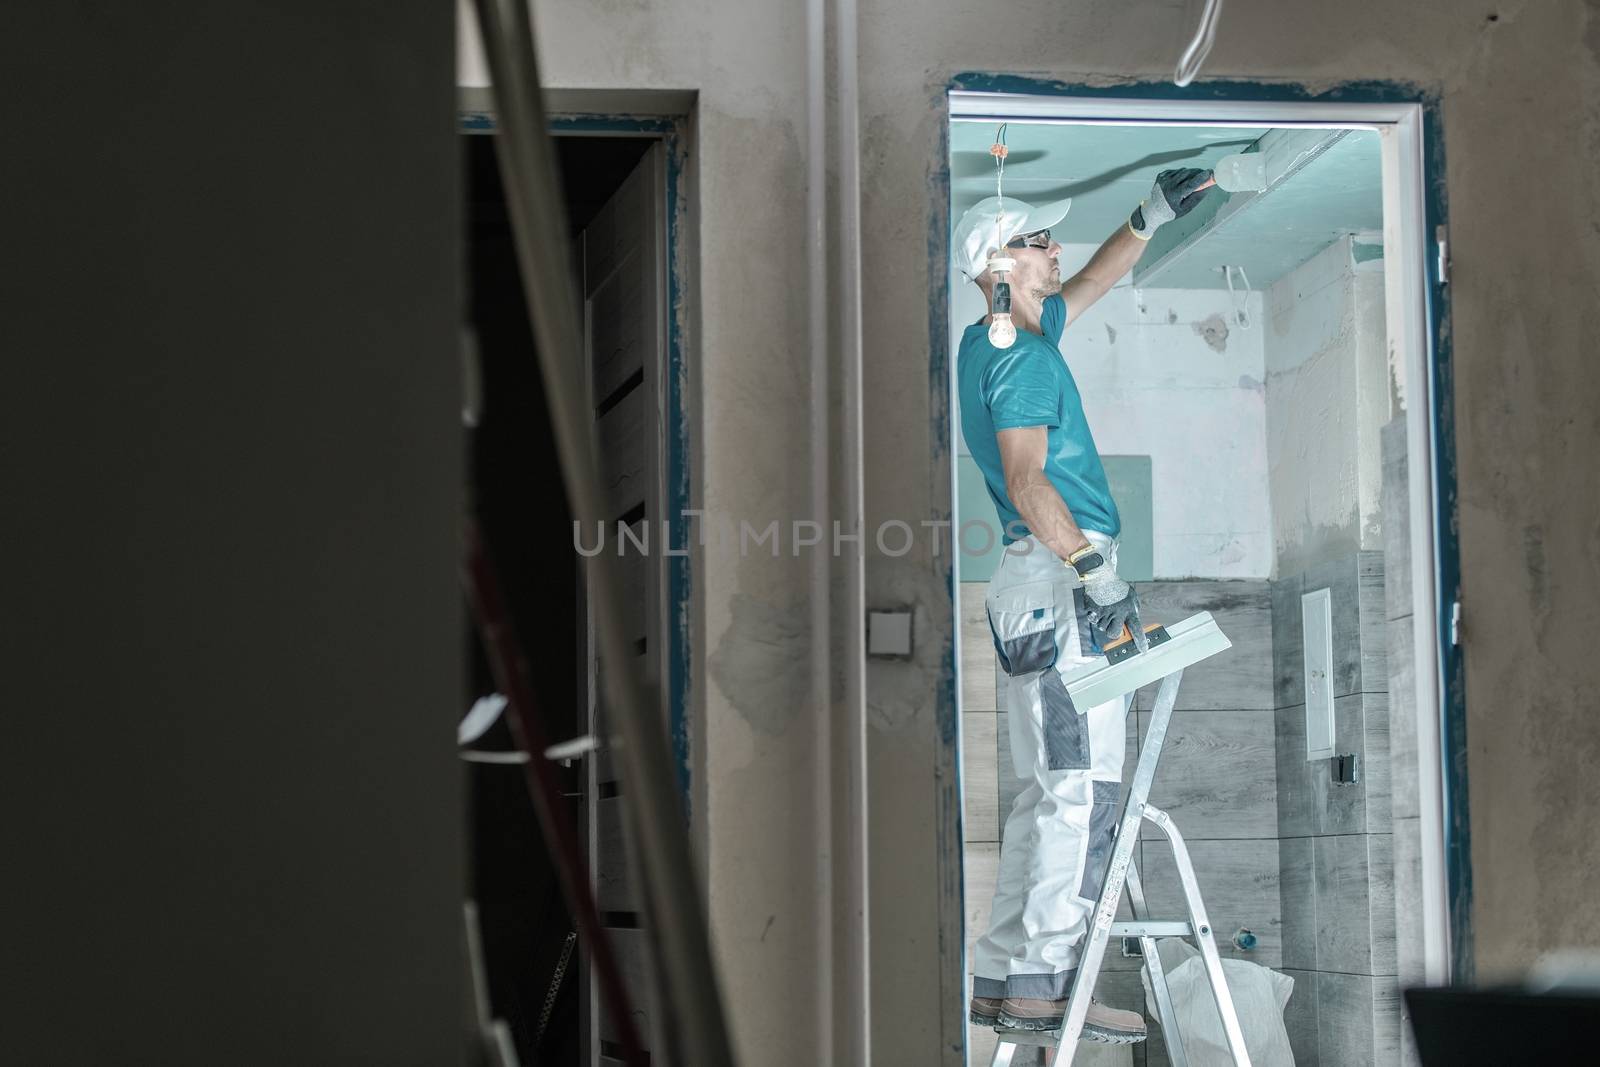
<point x="1173" y="196"/>
<point x="1112" y="605"/>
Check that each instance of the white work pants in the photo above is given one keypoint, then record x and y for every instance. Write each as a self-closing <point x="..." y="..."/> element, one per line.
<point x="1058" y="835"/>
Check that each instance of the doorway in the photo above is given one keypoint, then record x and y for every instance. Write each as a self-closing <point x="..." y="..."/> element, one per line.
<point x="1262" y="390"/>
<point x="618" y="181"/>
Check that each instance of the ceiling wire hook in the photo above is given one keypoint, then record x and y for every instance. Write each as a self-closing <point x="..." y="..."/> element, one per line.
<point x="1205" y="35"/>
<point x="1239" y="302"/>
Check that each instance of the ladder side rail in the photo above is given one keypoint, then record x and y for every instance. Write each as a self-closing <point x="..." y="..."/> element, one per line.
<point x="1204" y="936"/>
<point x="1105" y="912"/>
<point x="1166" y="1014"/>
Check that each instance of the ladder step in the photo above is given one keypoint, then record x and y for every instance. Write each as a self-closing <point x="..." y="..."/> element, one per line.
<point x="1151" y="929"/>
<point x="1047" y="1038"/>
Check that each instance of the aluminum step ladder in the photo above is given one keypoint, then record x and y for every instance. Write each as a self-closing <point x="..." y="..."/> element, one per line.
<point x="1124" y="670"/>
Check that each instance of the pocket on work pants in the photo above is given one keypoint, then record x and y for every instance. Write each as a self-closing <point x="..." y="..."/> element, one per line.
<point x="1102" y="833"/>
<point x="1022" y="621"/>
<point x="1027" y="623"/>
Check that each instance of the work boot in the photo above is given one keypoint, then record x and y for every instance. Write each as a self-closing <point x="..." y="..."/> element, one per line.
<point x="1106" y="1025"/>
<point x="985" y="1011"/>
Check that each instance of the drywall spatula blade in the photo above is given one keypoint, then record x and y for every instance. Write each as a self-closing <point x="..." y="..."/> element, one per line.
<point x="1188" y="642"/>
<point x="1243" y="172"/>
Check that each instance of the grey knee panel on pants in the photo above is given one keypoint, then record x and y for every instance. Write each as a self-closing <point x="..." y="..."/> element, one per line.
<point x="1102" y="833"/>
<point x="1066" y="733"/>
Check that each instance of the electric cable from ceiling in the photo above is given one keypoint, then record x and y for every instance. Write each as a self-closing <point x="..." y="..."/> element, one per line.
<point x="1002" y="331"/>
<point x="1205" y="35"/>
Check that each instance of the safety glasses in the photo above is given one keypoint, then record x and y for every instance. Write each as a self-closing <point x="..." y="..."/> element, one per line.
<point x="1036" y="239"/>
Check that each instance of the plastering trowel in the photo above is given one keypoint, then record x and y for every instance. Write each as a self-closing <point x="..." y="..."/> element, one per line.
<point x="1242" y="172"/>
<point x="1122" y="668"/>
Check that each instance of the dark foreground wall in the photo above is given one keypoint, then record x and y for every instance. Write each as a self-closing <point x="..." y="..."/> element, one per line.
<point x="229" y="445"/>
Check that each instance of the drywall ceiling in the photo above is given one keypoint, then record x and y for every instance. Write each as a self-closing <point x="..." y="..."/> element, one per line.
<point x="1107" y="170"/>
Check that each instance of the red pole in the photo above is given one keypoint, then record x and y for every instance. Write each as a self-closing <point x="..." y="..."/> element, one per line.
<point x="511" y="675"/>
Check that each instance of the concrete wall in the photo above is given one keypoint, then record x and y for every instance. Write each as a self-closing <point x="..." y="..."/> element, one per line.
<point x="1167" y="373"/>
<point x="756" y="761"/>
<point x="1520" y="95"/>
<point x="231" y="465"/>
<point x="1327" y="398"/>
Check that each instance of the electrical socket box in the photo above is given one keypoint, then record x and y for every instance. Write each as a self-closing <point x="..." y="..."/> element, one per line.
<point x="1316" y="617"/>
<point x="889" y="633"/>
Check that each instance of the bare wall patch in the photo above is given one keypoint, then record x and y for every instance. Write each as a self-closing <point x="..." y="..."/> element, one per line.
<point x="762" y="662"/>
<point x="1214" y="331"/>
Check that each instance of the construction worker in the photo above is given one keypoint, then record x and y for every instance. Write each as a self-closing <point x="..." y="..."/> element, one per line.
<point x="1054" y="601"/>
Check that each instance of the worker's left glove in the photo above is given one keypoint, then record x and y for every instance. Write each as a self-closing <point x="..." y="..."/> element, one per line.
<point x="1173" y="196"/>
<point x="1112" y="605"/>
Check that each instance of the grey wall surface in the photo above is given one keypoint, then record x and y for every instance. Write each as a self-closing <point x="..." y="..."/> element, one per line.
<point x="1526" y="259"/>
<point x="230" y="449"/>
<point x="1337" y="852"/>
<point x="1404" y="751"/>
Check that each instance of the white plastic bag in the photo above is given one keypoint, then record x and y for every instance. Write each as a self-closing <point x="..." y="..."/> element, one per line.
<point x="1259" y="997"/>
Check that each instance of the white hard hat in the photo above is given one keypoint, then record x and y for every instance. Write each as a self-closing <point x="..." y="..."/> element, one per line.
<point x="975" y="233"/>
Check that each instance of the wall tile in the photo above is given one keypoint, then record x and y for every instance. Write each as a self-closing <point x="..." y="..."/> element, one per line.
<point x="1300" y="1018"/>
<point x="1376" y="777"/>
<point x="1297" y="894"/>
<point x="1217" y="777"/>
<point x="982" y="867"/>
<point x="1407" y="861"/>
<point x="1346" y="1014"/>
<point x="1403" y="753"/>
<point x="979" y="752"/>
<point x="1395" y="502"/>
<point x="977" y="650"/>
<point x="1380" y="881"/>
<point x="1288" y="653"/>
<point x="1239" y="884"/>
<point x="1343" y="903"/>
<point x="1342" y="809"/>
<point x="1409" y="1056"/>
<point x="1237" y="678"/>
<point x="1374" y="672"/>
<point x="1297" y="814"/>
<point x="1386" y="1020"/>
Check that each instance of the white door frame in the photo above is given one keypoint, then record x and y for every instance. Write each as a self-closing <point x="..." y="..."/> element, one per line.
<point x="1413" y="250"/>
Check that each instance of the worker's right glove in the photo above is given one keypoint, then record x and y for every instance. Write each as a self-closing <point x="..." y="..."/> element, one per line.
<point x="1173" y="196"/>
<point x="1112" y="605"/>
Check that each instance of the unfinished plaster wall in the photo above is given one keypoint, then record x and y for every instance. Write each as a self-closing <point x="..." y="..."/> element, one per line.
<point x="756" y="763"/>
<point x="1525" y="395"/>
<point x="1525" y="392"/>
<point x="1327" y="398"/>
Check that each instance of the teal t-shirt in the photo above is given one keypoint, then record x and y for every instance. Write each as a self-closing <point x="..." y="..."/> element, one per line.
<point x="1029" y="384"/>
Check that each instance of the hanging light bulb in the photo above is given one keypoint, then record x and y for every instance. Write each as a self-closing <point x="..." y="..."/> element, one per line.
<point x="1002" y="331"/>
